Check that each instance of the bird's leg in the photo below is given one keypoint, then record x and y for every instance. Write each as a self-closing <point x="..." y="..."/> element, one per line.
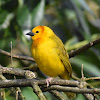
<point x="48" y="80"/>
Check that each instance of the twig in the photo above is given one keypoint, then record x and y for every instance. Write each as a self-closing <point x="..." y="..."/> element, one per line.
<point x="16" y="56"/>
<point x="38" y="91"/>
<point x="17" y="90"/>
<point x="75" y="78"/>
<point x="11" y="55"/>
<point x="82" y="72"/>
<point x="72" y="89"/>
<point x="90" y="97"/>
<point x="16" y="71"/>
<point x="83" y="78"/>
<point x="85" y="47"/>
<point x="20" y="93"/>
<point x="12" y="89"/>
<point x="57" y="94"/>
<point x="2" y="94"/>
<point x="16" y="95"/>
<point x="92" y="78"/>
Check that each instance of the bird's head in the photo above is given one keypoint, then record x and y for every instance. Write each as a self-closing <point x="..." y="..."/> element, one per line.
<point x="40" y="32"/>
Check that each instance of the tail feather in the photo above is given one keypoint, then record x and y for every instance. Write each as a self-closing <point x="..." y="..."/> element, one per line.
<point x="67" y="77"/>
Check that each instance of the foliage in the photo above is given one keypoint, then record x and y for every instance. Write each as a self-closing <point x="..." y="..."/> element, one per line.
<point x="76" y="22"/>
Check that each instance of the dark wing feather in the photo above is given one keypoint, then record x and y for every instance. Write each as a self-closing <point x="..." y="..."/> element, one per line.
<point x="62" y="53"/>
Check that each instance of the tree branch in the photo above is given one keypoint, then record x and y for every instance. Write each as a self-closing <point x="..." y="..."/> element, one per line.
<point x="90" y="97"/>
<point x="38" y="91"/>
<point x="29" y="75"/>
<point x="57" y="94"/>
<point x="16" y="56"/>
<point x="27" y="82"/>
<point x="71" y="54"/>
<point x="16" y="71"/>
<point x="85" y="47"/>
<point x="72" y="89"/>
<point x="92" y="78"/>
<point x="13" y="90"/>
<point x="65" y="85"/>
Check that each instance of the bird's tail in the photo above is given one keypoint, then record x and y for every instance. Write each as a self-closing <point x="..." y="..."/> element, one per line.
<point x="70" y="95"/>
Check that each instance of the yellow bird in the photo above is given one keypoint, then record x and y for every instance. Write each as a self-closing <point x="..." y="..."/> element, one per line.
<point x="49" y="53"/>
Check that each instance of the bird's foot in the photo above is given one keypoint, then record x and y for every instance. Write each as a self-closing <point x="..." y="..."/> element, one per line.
<point x="48" y="80"/>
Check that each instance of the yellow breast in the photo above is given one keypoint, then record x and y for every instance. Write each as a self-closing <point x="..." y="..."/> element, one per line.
<point x="47" y="59"/>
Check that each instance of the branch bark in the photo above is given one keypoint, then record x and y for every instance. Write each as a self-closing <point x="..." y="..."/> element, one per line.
<point x="57" y="94"/>
<point x="16" y="71"/>
<point x="71" y="54"/>
<point x="29" y="75"/>
<point x="73" y="89"/>
<point x="16" y="56"/>
<point x="38" y="91"/>
<point x="85" y="47"/>
<point x="27" y="82"/>
<point x="65" y="85"/>
<point x="54" y="86"/>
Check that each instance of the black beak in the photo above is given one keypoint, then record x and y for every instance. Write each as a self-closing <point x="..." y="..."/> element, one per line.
<point x="30" y="33"/>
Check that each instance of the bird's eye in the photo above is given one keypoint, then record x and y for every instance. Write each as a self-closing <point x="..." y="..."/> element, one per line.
<point x="37" y="31"/>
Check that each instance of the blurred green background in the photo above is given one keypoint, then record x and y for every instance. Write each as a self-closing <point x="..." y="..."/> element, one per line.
<point x="76" y="22"/>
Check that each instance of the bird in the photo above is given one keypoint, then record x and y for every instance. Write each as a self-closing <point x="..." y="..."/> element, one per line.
<point x="50" y="54"/>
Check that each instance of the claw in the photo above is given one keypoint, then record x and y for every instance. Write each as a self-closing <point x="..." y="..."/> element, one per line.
<point x="48" y="80"/>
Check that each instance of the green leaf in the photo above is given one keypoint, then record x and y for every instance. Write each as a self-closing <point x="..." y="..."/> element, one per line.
<point x="73" y="43"/>
<point x="3" y="15"/>
<point x="9" y="98"/>
<point x="37" y="13"/>
<point x="29" y="94"/>
<point x="89" y="68"/>
<point x="80" y="97"/>
<point x="23" y="17"/>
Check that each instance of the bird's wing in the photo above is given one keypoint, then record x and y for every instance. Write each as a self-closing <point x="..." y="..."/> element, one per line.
<point x="62" y="53"/>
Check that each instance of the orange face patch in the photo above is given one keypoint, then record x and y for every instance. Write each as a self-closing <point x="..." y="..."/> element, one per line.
<point x="38" y="37"/>
<point x="38" y="28"/>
